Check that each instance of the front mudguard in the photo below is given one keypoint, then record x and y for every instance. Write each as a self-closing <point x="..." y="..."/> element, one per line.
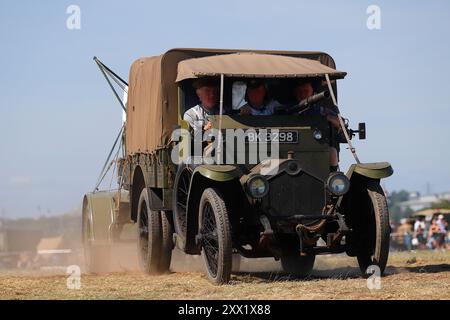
<point x="375" y="170"/>
<point x="218" y="173"/>
<point x="355" y="202"/>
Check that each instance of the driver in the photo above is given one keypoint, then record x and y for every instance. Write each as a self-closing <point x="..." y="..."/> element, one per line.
<point x="207" y="90"/>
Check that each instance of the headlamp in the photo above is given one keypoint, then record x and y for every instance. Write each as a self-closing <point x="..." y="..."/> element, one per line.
<point x="257" y="186"/>
<point x="338" y="183"/>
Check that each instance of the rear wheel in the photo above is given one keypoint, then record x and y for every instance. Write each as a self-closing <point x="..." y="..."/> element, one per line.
<point x="215" y="235"/>
<point x="299" y="266"/>
<point x="376" y="252"/>
<point x="180" y="199"/>
<point x="167" y="241"/>
<point x="149" y="237"/>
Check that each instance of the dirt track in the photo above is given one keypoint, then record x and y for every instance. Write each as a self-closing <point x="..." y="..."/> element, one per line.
<point x="421" y="275"/>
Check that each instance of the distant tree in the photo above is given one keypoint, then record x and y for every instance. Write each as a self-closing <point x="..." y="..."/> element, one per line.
<point x="396" y="213"/>
<point x="444" y="204"/>
<point x="407" y="212"/>
<point x="394" y="199"/>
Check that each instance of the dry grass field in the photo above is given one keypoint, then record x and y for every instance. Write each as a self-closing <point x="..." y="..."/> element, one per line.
<point x="419" y="275"/>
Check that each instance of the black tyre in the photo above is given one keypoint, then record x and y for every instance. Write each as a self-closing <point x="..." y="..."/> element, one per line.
<point x="167" y="241"/>
<point x="299" y="266"/>
<point x="96" y="257"/>
<point x="377" y="235"/>
<point x="215" y="235"/>
<point x="149" y="237"/>
<point x="180" y="198"/>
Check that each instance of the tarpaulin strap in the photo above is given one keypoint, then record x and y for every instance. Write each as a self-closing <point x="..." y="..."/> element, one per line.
<point x="341" y="121"/>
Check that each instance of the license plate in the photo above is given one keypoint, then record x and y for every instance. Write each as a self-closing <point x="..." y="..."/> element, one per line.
<point x="280" y="136"/>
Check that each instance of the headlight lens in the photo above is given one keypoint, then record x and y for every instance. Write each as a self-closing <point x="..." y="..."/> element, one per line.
<point x="317" y="134"/>
<point x="257" y="186"/>
<point x="338" y="183"/>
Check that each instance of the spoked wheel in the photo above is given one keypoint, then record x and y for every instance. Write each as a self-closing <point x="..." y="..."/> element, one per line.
<point x="181" y="192"/>
<point x="149" y="238"/>
<point x="377" y="236"/>
<point x="215" y="235"/>
<point x="299" y="266"/>
<point x="167" y="241"/>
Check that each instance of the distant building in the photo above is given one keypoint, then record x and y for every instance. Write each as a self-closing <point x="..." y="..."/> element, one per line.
<point x="17" y="246"/>
<point x="417" y="202"/>
<point x="52" y="252"/>
<point x="14" y="239"/>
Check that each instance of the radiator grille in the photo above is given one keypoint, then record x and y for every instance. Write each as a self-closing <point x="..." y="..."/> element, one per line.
<point x="300" y="194"/>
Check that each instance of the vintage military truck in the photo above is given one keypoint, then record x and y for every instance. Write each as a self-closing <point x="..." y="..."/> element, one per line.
<point x="291" y="207"/>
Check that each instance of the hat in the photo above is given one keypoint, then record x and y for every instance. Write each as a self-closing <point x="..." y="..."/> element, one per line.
<point x="205" y="82"/>
<point x="255" y="83"/>
<point x="315" y="83"/>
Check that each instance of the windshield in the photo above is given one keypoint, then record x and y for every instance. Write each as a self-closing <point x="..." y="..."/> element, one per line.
<point x="253" y="97"/>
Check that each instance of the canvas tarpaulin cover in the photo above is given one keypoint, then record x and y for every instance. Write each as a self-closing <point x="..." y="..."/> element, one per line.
<point x="152" y="106"/>
<point x="249" y="64"/>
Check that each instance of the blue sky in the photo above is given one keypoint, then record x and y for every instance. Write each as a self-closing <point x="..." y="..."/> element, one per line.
<point x="58" y="118"/>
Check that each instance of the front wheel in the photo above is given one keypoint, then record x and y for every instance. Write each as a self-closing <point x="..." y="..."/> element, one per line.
<point x="376" y="250"/>
<point x="215" y="236"/>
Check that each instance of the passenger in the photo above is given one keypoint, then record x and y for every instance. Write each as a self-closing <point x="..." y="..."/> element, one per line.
<point x="305" y="89"/>
<point x="258" y="100"/>
<point x="207" y="90"/>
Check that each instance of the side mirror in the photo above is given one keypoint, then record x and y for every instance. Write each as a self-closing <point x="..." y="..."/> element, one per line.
<point x="362" y="131"/>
